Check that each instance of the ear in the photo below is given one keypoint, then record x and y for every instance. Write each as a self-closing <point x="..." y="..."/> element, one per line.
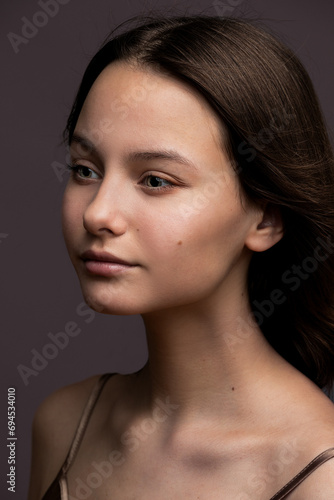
<point x="268" y="231"/>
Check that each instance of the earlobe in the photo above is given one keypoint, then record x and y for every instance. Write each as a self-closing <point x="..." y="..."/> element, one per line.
<point x="266" y="233"/>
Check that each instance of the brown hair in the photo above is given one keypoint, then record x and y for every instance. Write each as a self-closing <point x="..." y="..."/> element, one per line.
<point x="282" y="154"/>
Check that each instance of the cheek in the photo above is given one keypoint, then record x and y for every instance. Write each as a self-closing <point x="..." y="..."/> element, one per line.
<point x="190" y="258"/>
<point x="197" y="237"/>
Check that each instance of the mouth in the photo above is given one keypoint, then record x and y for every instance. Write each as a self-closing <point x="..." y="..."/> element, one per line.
<point x="104" y="263"/>
<point x="103" y="257"/>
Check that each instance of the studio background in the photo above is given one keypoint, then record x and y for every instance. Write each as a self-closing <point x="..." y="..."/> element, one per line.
<point x="40" y="293"/>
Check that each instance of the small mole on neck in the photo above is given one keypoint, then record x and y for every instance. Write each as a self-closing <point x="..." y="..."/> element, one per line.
<point x="232" y="388"/>
<point x="179" y="242"/>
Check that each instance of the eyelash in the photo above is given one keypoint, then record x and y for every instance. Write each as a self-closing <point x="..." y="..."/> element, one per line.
<point x="74" y="169"/>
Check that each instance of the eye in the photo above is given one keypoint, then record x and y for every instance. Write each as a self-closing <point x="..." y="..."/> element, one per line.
<point x="82" y="172"/>
<point x="157" y="183"/>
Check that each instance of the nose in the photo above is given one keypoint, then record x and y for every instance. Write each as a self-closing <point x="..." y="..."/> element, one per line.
<point x="106" y="213"/>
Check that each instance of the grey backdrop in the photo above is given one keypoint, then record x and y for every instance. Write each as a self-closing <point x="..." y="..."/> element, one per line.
<point x="40" y="292"/>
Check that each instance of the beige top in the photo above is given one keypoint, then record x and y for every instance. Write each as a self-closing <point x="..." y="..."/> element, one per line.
<point x="59" y="489"/>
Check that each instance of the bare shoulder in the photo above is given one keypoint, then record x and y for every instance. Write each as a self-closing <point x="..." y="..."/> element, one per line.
<point x="315" y="436"/>
<point x="54" y="425"/>
<point x="319" y="485"/>
<point x="314" y="423"/>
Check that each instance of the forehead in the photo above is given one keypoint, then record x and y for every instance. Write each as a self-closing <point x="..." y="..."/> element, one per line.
<point x="148" y="106"/>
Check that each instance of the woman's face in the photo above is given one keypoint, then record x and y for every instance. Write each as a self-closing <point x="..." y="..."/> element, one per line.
<point x="153" y="187"/>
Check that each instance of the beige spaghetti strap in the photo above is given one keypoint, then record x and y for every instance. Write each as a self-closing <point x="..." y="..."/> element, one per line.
<point x="303" y="474"/>
<point x="59" y="486"/>
<point x="86" y="414"/>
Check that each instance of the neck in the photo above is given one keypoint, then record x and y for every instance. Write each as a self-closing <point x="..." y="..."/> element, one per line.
<point x="207" y="360"/>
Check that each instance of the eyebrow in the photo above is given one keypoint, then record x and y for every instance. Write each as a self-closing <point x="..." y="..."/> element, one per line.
<point x="161" y="154"/>
<point x="82" y="141"/>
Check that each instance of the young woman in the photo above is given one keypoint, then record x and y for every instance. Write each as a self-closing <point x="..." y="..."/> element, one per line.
<point x="201" y="197"/>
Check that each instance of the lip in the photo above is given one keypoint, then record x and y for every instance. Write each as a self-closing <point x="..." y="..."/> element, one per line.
<point x="103" y="257"/>
<point x="104" y="263"/>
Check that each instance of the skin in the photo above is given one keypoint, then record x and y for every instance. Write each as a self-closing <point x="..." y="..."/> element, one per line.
<point x="191" y="244"/>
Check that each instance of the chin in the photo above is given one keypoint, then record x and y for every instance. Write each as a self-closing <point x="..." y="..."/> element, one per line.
<point x="108" y="305"/>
